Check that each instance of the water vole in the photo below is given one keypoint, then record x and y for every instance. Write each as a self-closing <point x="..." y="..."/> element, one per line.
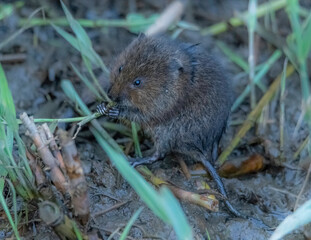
<point x="179" y="94"/>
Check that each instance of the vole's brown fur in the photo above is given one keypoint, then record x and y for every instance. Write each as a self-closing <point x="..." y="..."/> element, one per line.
<point x="183" y="99"/>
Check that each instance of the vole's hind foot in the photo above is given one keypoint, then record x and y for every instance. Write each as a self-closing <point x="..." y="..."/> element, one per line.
<point x="104" y="109"/>
<point x="142" y="161"/>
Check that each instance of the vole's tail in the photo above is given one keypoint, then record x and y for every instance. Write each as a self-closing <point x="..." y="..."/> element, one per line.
<point x="212" y="171"/>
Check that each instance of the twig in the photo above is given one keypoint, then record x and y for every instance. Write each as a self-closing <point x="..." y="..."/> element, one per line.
<point x="209" y="202"/>
<point x="109" y="209"/>
<point x="36" y="169"/>
<point x="12" y="58"/>
<point x="85" y="121"/>
<point x="104" y="194"/>
<point x="54" y="147"/>
<point x="184" y="168"/>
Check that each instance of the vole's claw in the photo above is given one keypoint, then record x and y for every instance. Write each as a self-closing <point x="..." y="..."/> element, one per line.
<point x="134" y="162"/>
<point x="113" y="112"/>
<point x="102" y="109"/>
<point x="108" y="111"/>
<point x="142" y="161"/>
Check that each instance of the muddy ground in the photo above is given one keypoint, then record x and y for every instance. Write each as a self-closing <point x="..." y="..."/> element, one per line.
<point x="268" y="195"/>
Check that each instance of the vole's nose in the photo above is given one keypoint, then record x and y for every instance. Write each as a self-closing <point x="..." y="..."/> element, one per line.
<point x="114" y="96"/>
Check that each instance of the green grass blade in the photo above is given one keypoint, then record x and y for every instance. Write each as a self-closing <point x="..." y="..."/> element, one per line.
<point x="176" y="215"/>
<point x="136" y="140"/>
<point x="14" y="201"/>
<point x="300" y="217"/>
<point x="292" y="10"/>
<point x="86" y="81"/>
<point x="77" y="231"/>
<point x="72" y="40"/>
<point x="7" y="107"/>
<point x="130" y="224"/>
<point x="306" y="36"/>
<point x="83" y="38"/>
<point x="233" y="56"/>
<point x="88" y="52"/>
<point x="239" y="61"/>
<point x="72" y="94"/>
<point x="7" y="111"/>
<point x="76" y="27"/>
<point x="6" y="210"/>
<point x="96" y="83"/>
<point x="22" y="155"/>
<point x="143" y="189"/>
<point x="265" y="68"/>
<point x="9" y="139"/>
<point x="207" y="234"/>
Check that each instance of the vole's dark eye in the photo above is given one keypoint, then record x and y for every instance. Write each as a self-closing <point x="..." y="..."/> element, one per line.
<point x="137" y="82"/>
<point x="120" y="68"/>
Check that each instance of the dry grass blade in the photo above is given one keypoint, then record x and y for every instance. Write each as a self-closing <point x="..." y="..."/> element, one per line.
<point x="169" y="16"/>
<point x="251" y="118"/>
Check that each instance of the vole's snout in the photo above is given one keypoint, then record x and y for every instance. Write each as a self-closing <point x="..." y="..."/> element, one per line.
<point x="112" y="94"/>
<point x="115" y="97"/>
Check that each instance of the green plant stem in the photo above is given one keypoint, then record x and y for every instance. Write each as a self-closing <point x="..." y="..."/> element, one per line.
<point x="109" y="125"/>
<point x="262" y="10"/>
<point x="88" y="23"/>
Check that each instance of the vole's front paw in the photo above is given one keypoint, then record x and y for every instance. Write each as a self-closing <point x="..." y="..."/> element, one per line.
<point x="104" y="109"/>
<point x="134" y="162"/>
<point x="142" y="161"/>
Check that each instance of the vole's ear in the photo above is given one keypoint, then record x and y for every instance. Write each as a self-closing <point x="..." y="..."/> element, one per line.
<point x="176" y="67"/>
<point x="141" y="36"/>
